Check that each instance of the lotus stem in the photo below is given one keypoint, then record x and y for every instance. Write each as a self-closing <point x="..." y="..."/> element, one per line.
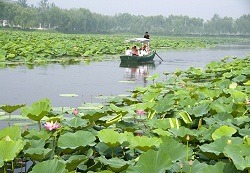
<point x="39" y="126"/>
<point x="12" y="166"/>
<point x="4" y="168"/>
<point x="9" y="119"/>
<point x="187" y="149"/>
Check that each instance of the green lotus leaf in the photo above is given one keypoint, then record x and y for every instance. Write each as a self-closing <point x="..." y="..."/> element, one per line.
<point x="164" y="105"/>
<point x="1" y="162"/>
<point x="149" y="96"/>
<point x="217" y="147"/>
<point x="185" y="117"/>
<point x="11" y="108"/>
<point x="76" y="122"/>
<point x="144" y="143"/>
<point x="199" y="110"/>
<point x="207" y="92"/>
<point x="197" y="167"/>
<point x="143" y="106"/>
<point x="111" y="137"/>
<point x="37" y="110"/>
<point x="104" y="149"/>
<point x="106" y="171"/>
<point x="9" y="149"/>
<point x="238" y="96"/>
<point x="13" y="132"/>
<point x="177" y="151"/>
<point x="220" y="107"/>
<point x="115" y="163"/>
<point x="153" y="77"/>
<point x="152" y="161"/>
<point x="183" y="132"/>
<point x="159" y="123"/>
<point x="247" y="140"/>
<point x="117" y="109"/>
<point x="223" y="131"/>
<point x="241" y="120"/>
<point x="37" y="135"/>
<point x="35" y="143"/>
<point x="162" y="132"/>
<point x="247" y="83"/>
<point x="51" y="166"/>
<point x="38" y="153"/>
<point x="174" y="123"/>
<point x="77" y="139"/>
<point x="74" y="161"/>
<point x="93" y="115"/>
<point x="233" y="85"/>
<point x="220" y="167"/>
<point x="240" y="78"/>
<point x="240" y="155"/>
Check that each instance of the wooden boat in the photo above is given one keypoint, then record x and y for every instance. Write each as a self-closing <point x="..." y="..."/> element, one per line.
<point x="131" y="58"/>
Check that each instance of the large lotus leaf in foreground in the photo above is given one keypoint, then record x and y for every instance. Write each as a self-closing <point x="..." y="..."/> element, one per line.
<point x="240" y="155"/>
<point x="9" y="149"/>
<point x="176" y="150"/>
<point x="144" y="143"/>
<point x="152" y="161"/>
<point x="37" y="110"/>
<point x="115" y="164"/>
<point x="74" y="161"/>
<point x="111" y="137"/>
<point x="77" y="139"/>
<point x="51" y="166"/>
<point x="38" y="153"/>
<point x="13" y="132"/>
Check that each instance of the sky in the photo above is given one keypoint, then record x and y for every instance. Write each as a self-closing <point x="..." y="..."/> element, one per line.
<point x="204" y="9"/>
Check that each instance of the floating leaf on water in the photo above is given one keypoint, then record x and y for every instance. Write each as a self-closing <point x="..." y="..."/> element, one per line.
<point x="68" y="95"/>
<point x="130" y="81"/>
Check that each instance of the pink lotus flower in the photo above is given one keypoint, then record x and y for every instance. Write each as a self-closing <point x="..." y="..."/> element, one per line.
<point x="140" y="112"/>
<point x="248" y="102"/>
<point x="51" y="125"/>
<point x="75" y="112"/>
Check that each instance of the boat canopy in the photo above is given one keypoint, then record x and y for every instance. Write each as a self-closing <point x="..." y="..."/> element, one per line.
<point x="138" y="40"/>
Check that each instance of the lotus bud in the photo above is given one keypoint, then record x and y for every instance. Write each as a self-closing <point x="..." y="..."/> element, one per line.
<point x="229" y="142"/>
<point x="188" y="138"/>
<point x="75" y="111"/>
<point x="181" y="165"/>
<point x="190" y="162"/>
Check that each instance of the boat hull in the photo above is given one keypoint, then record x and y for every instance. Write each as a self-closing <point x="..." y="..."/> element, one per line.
<point x="145" y="58"/>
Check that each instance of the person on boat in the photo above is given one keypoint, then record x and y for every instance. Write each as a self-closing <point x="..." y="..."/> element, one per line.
<point x="128" y="51"/>
<point x="146" y="35"/>
<point x="135" y="51"/>
<point x="143" y="51"/>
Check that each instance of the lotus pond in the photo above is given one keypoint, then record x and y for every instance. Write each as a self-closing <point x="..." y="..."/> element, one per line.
<point x="196" y="120"/>
<point x="185" y="119"/>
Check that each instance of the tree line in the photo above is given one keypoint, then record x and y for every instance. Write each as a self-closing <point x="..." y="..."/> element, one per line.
<point x="79" y="20"/>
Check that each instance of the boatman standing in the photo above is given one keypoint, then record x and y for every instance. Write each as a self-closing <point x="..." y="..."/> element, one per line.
<point x="146" y="35"/>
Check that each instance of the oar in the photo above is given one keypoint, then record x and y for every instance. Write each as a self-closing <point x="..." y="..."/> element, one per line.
<point x="158" y="56"/>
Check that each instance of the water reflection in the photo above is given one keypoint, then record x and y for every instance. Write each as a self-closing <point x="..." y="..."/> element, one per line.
<point x="137" y="72"/>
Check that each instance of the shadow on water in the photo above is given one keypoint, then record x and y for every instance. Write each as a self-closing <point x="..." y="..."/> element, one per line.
<point x="138" y="72"/>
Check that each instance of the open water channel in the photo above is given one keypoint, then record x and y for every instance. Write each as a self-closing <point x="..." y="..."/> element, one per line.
<point x="21" y="85"/>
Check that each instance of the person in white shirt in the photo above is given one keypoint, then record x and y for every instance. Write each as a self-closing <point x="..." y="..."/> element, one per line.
<point x="128" y="51"/>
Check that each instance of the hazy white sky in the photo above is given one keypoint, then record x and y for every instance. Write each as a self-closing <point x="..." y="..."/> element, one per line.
<point x="194" y="8"/>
